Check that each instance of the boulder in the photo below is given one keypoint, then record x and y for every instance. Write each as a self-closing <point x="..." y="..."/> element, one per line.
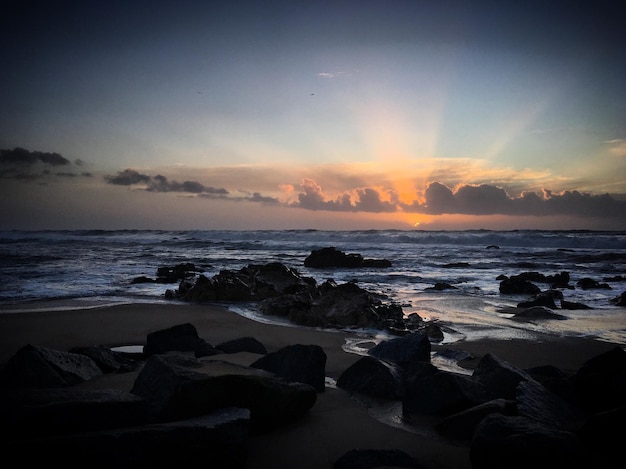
<point x="242" y="344"/>
<point x="372" y="377"/>
<point x="178" y="388"/>
<point x="404" y="351"/>
<point x="375" y="458"/>
<point x="499" y="377"/>
<point x="217" y="439"/>
<point x="515" y="442"/>
<point x="42" y="367"/>
<point x="460" y="426"/>
<point x="298" y="363"/>
<point x="180" y="338"/>
<point x="108" y="360"/>
<point x="331" y="257"/>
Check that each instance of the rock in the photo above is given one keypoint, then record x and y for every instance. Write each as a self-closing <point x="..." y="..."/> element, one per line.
<point x="619" y="300"/>
<point x="536" y="312"/>
<point x="591" y="284"/>
<point x="243" y="344"/>
<point x="430" y="391"/>
<point x="372" y="377"/>
<point x="537" y="403"/>
<point x="600" y="383"/>
<point x="217" y="439"/>
<point x="331" y="257"/>
<point x="515" y="285"/>
<point x="601" y="438"/>
<point x="34" y="413"/>
<point x="298" y="363"/>
<point x="461" y="425"/>
<point x="180" y="338"/>
<point x="499" y="377"/>
<point x="42" y="367"/>
<point x="571" y="305"/>
<point x="375" y="458"/>
<point x="502" y="441"/>
<point x="106" y="359"/>
<point x="404" y="351"/>
<point x="178" y="389"/>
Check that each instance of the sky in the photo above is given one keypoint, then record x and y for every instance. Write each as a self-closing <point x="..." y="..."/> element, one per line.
<point x="312" y="115"/>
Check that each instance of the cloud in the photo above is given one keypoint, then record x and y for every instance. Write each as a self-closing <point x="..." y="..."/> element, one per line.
<point x="25" y="165"/>
<point x="486" y="199"/>
<point x="159" y="183"/>
<point x="617" y="147"/>
<point x="128" y="177"/>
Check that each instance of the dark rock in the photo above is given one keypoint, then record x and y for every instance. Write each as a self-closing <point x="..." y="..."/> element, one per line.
<point x="372" y="377"/>
<point x="430" y="391"/>
<point x="537" y="403"/>
<point x="173" y="274"/>
<point x="461" y="425"/>
<point x="516" y="285"/>
<point x="498" y="377"/>
<point x="555" y="380"/>
<point x="142" y="279"/>
<point x="571" y="305"/>
<point x="174" y="392"/>
<point x="331" y="257"/>
<point x="375" y="458"/>
<point x="218" y="439"/>
<point x="600" y="383"/>
<point x="404" y="351"/>
<point x="519" y="443"/>
<point x="591" y="284"/>
<point x="180" y="338"/>
<point x="619" y="300"/>
<point x="536" y="312"/>
<point x="602" y="440"/>
<point x="298" y="363"/>
<point x="107" y="360"/>
<point x="242" y="344"/>
<point x="33" y="413"/>
<point x="42" y="367"/>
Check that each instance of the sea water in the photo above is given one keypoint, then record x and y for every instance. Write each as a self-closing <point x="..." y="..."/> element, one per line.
<point x="93" y="268"/>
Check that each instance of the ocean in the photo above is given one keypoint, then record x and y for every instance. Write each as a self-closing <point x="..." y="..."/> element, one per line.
<point x="80" y="269"/>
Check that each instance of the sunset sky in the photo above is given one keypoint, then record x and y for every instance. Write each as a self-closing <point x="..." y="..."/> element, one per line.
<point x="324" y="115"/>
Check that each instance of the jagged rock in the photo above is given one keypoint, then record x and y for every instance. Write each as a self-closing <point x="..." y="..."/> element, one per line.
<point x="375" y="458"/>
<point x="180" y="338"/>
<point x="602" y="440"/>
<point x="405" y="351"/>
<point x="619" y="300"/>
<point x="537" y="403"/>
<point x="372" y="377"/>
<point x="331" y="257"/>
<point x="430" y="391"/>
<point x="515" y="285"/>
<point x="555" y="380"/>
<point x="498" y="377"/>
<point x="217" y="439"/>
<point x="176" y="390"/>
<point x="107" y="360"/>
<point x="572" y="305"/>
<point x="536" y="312"/>
<point x="591" y="284"/>
<point x="600" y="383"/>
<point x="242" y="344"/>
<point x="517" y="442"/>
<point x="34" y="413"/>
<point x="42" y="367"/>
<point x="461" y="425"/>
<point x="298" y="363"/>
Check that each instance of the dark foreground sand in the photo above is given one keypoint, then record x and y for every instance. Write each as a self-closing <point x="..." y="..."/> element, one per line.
<point x="336" y="424"/>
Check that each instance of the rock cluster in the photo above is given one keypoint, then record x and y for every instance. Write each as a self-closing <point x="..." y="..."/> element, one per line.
<point x="186" y="408"/>
<point x="284" y="292"/>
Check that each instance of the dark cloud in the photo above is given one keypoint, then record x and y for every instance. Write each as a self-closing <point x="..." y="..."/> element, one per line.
<point x="367" y="200"/>
<point x="159" y="183"/>
<point x="23" y="157"/>
<point x="25" y="165"/>
<point x="486" y="199"/>
<point x="467" y="199"/>
<point x="128" y="177"/>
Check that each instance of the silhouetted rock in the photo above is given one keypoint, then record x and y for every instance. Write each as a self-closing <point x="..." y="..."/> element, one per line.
<point x="373" y="377"/>
<point x="181" y="338"/>
<point x="331" y="257"/>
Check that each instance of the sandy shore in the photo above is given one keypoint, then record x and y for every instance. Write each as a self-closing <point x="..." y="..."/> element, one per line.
<point x="337" y="423"/>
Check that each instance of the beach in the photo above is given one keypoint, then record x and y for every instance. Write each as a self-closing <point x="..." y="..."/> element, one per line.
<point x="337" y="423"/>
